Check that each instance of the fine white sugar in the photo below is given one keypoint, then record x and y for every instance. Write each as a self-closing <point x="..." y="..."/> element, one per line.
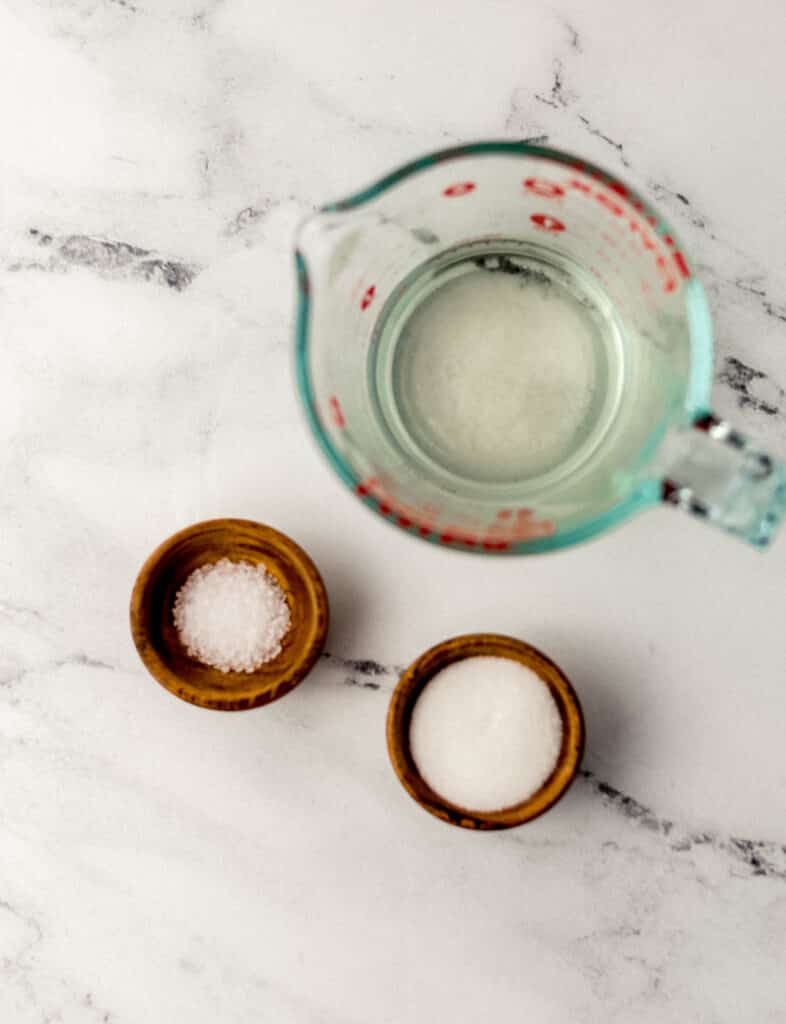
<point x="231" y="615"/>
<point x="485" y="733"/>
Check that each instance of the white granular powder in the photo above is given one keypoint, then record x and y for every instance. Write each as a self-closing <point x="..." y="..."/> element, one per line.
<point x="485" y="733"/>
<point x="499" y="374"/>
<point x="231" y="615"/>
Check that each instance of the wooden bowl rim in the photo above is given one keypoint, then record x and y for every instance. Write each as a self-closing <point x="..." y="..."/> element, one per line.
<point x="271" y="688"/>
<point x="412" y="683"/>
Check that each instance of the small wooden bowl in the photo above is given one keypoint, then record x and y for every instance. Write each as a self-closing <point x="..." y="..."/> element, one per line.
<point x="412" y="684"/>
<point x="168" y="568"/>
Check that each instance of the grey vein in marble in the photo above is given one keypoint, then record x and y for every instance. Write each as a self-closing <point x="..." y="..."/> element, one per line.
<point x="107" y="257"/>
<point x="14" y="964"/>
<point x="751" y="287"/>
<point x="19" y="613"/>
<point x="363" y="672"/>
<point x="605" y="138"/>
<point x="248" y="216"/>
<point x="140" y="834"/>
<point x="574" y="40"/>
<point x="80" y="659"/>
<point x="560" y="97"/>
<point x="742" y="379"/>
<point x="663" y="194"/>
<point x="761" y="858"/>
<point x="557" y="96"/>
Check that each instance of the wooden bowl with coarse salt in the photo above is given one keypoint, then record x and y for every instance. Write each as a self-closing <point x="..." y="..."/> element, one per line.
<point x="201" y="547"/>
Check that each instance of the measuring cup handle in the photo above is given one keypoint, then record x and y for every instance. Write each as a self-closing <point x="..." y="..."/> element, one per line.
<point x="720" y="476"/>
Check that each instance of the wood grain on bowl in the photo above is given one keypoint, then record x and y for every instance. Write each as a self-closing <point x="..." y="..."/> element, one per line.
<point x="168" y="568"/>
<point x="417" y="676"/>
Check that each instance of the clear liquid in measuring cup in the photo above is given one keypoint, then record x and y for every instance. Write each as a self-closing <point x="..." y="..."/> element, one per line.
<point x="496" y="364"/>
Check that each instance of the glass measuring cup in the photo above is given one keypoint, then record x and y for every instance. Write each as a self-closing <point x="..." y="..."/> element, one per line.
<point x="502" y="348"/>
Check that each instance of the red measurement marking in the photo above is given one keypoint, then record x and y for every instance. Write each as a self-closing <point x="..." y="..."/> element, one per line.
<point x="514" y="525"/>
<point x="609" y="203"/>
<point x="580" y="186"/>
<point x="368" y="296"/>
<point x="618" y="187"/>
<point x="679" y="259"/>
<point x="668" y="240"/>
<point x="457" y="535"/>
<point x="461" y="188"/>
<point x="541" y="187"/>
<point x="338" y="415"/>
<point x="496" y="545"/>
<point x="405" y="516"/>
<point x="367" y="486"/>
<point x="547" y="223"/>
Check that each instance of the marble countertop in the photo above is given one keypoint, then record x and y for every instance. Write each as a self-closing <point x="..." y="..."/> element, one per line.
<point x="160" y="863"/>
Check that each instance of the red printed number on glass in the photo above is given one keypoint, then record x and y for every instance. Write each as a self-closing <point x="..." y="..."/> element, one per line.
<point x="682" y="266"/>
<point x="461" y="188"/>
<point x="609" y="203"/>
<point x="547" y="223"/>
<point x="337" y="412"/>
<point x="368" y="297"/>
<point x="541" y="187"/>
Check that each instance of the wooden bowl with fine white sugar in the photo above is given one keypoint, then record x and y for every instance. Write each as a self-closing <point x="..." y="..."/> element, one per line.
<point x="485" y="732"/>
<point x="229" y="614"/>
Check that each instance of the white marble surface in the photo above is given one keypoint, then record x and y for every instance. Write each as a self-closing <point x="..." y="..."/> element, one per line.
<point x="163" y="864"/>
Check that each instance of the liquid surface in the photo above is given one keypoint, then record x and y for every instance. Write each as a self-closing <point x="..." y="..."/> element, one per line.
<point x="492" y="366"/>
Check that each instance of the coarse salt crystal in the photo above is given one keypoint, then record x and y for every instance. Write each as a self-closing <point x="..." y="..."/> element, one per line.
<point x="231" y="615"/>
<point x="485" y="733"/>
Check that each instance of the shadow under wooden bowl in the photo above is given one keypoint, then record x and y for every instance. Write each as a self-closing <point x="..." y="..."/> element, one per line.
<point x="167" y="569"/>
<point x="417" y="677"/>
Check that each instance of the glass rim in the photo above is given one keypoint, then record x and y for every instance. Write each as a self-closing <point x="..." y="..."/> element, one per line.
<point x="696" y="404"/>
